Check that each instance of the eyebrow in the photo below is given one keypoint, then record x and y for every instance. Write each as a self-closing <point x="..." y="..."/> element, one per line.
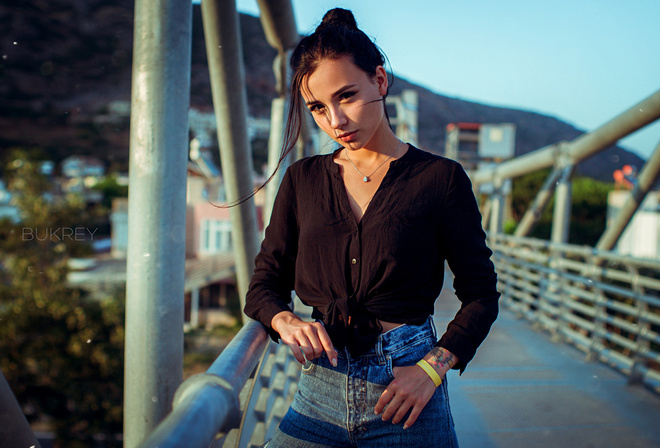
<point x="336" y="94"/>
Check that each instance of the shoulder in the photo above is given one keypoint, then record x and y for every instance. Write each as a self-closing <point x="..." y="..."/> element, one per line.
<point x="433" y="165"/>
<point x="310" y="166"/>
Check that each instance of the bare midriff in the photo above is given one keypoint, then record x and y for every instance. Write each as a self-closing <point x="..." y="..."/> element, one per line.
<point x="387" y="326"/>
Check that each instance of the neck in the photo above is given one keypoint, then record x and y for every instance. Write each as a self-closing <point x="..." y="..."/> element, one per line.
<point x="376" y="148"/>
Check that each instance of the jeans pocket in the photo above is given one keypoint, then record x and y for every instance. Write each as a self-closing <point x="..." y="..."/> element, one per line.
<point x="411" y="353"/>
<point x="309" y="367"/>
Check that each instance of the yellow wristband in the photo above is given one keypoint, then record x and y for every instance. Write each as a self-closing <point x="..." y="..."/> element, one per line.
<point x="430" y="371"/>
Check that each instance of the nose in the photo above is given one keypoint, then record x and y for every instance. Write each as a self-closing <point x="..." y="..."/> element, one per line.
<point x="337" y="118"/>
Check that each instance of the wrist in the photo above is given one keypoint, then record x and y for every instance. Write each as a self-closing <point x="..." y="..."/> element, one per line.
<point x="441" y="359"/>
<point x="282" y="317"/>
<point x="430" y="371"/>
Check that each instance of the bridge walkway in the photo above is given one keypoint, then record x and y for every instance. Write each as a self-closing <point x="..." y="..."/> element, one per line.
<point x="522" y="390"/>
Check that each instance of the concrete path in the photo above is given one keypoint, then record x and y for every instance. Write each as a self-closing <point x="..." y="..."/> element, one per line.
<point x="523" y="391"/>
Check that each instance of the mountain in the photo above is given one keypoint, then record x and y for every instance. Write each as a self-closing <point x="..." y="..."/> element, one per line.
<point x="66" y="62"/>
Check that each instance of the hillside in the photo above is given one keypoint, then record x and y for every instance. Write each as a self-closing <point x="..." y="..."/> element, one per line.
<point x="65" y="61"/>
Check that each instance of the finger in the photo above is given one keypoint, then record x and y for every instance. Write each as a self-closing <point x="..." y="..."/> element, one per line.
<point x="326" y="343"/>
<point x="295" y="349"/>
<point x="307" y="350"/>
<point x="315" y="343"/>
<point x="412" y="418"/>
<point x="401" y="412"/>
<point x="394" y="403"/>
<point x="383" y="400"/>
<point x="391" y="409"/>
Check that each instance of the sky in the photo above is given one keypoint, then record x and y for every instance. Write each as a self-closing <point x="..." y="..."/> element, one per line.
<point x="581" y="61"/>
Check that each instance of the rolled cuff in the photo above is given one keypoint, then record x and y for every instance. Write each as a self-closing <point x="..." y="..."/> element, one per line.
<point x="463" y="349"/>
<point x="265" y="316"/>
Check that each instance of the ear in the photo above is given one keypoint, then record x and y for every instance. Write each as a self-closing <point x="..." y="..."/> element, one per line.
<point x="381" y="80"/>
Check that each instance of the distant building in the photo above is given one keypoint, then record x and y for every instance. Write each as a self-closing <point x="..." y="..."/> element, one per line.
<point x="119" y="227"/>
<point x="642" y="235"/>
<point x="209" y="249"/>
<point x="203" y="126"/>
<point x="80" y="174"/>
<point x="82" y="166"/>
<point x="476" y="145"/>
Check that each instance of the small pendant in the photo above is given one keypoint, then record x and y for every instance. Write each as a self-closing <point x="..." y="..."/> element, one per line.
<point x="366" y="179"/>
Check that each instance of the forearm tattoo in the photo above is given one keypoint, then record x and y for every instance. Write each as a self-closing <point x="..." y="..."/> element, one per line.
<point x="440" y="358"/>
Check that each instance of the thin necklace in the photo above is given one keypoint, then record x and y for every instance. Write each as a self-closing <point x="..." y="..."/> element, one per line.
<point x="367" y="178"/>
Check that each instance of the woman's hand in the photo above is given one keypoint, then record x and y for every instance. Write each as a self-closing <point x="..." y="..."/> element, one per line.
<point x="412" y="388"/>
<point x="308" y="337"/>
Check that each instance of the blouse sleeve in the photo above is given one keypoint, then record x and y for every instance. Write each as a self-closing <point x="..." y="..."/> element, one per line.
<point x="274" y="273"/>
<point x="475" y="281"/>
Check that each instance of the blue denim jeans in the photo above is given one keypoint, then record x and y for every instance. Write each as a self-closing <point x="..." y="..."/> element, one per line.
<point x="334" y="406"/>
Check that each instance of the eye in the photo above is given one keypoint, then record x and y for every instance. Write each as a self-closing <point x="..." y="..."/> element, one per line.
<point x="346" y="95"/>
<point x="317" y="109"/>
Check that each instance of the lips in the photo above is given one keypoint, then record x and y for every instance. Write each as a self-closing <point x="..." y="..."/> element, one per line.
<point x="347" y="136"/>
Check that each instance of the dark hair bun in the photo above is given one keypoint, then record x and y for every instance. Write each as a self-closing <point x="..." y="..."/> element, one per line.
<point x="339" y="17"/>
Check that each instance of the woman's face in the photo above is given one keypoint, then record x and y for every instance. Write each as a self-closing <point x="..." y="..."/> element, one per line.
<point x="346" y="102"/>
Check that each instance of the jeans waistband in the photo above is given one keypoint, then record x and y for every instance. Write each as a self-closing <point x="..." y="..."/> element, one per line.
<point x="399" y="338"/>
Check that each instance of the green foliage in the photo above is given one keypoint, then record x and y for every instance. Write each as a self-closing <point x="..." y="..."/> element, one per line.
<point x="588" y="211"/>
<point x="111" y="189"/>
<point x="61" y="351"/>
<point x="523" y="192"/>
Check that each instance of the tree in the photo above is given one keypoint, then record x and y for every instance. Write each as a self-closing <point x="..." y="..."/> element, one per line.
<point x="60" y="350"/>
<point x="588" y="208"/>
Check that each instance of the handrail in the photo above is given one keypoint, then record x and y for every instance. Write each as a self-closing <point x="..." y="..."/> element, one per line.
<point x="636" y="117"/>
<point x="208" y="403"/>
<point x="603" y="303"/>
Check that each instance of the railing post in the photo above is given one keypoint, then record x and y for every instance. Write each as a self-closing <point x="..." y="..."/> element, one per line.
<point x="643" y="327"/>
<point x="275" y="141"/>
<point x="156" y="213"/>
<point x="225" y="56"/>
<point x="600" y="310"/>
<point x="562" y="214"/>
<point x="497" y="208"/>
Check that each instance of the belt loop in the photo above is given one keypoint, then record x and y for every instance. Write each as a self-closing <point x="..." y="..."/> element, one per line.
<point x="379" y="351"/>
<point x="435" y="332"/>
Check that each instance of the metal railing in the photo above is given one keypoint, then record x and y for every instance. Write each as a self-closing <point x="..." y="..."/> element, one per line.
<point x="605" y="304"/>
<point x="208" y="403"/>
<point x="233" y="404"/>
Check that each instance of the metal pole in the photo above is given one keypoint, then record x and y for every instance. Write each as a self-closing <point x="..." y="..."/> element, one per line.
<point x="14" y="427"/>
<point x="534" y="212"/>
<point x="485" y="213"/>
<point x="208" y="403"/>
<point x="225" y="56"/>
<point x="579" y="149"/>
<point x="275" y="142"/>
<point x="279" y="23"/>
<point x="406" y="113"/>
<point x="194" y="308"/>
<point x="497" y="208"/>
<point x="562" y="214"/>
<point x="647" y="177"/>
<point x="156" y="213"/>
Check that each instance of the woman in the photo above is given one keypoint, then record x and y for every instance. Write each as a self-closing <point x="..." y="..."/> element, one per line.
<point x="362" y="236"/>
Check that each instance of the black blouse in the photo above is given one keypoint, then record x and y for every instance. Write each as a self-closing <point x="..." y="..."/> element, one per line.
<point x="387" y="266"/>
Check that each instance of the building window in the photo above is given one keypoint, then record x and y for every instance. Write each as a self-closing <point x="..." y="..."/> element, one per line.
<point x="215" y="237"/>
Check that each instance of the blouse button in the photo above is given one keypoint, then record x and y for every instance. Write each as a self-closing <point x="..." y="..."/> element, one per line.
<point x="353" y="261"/>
